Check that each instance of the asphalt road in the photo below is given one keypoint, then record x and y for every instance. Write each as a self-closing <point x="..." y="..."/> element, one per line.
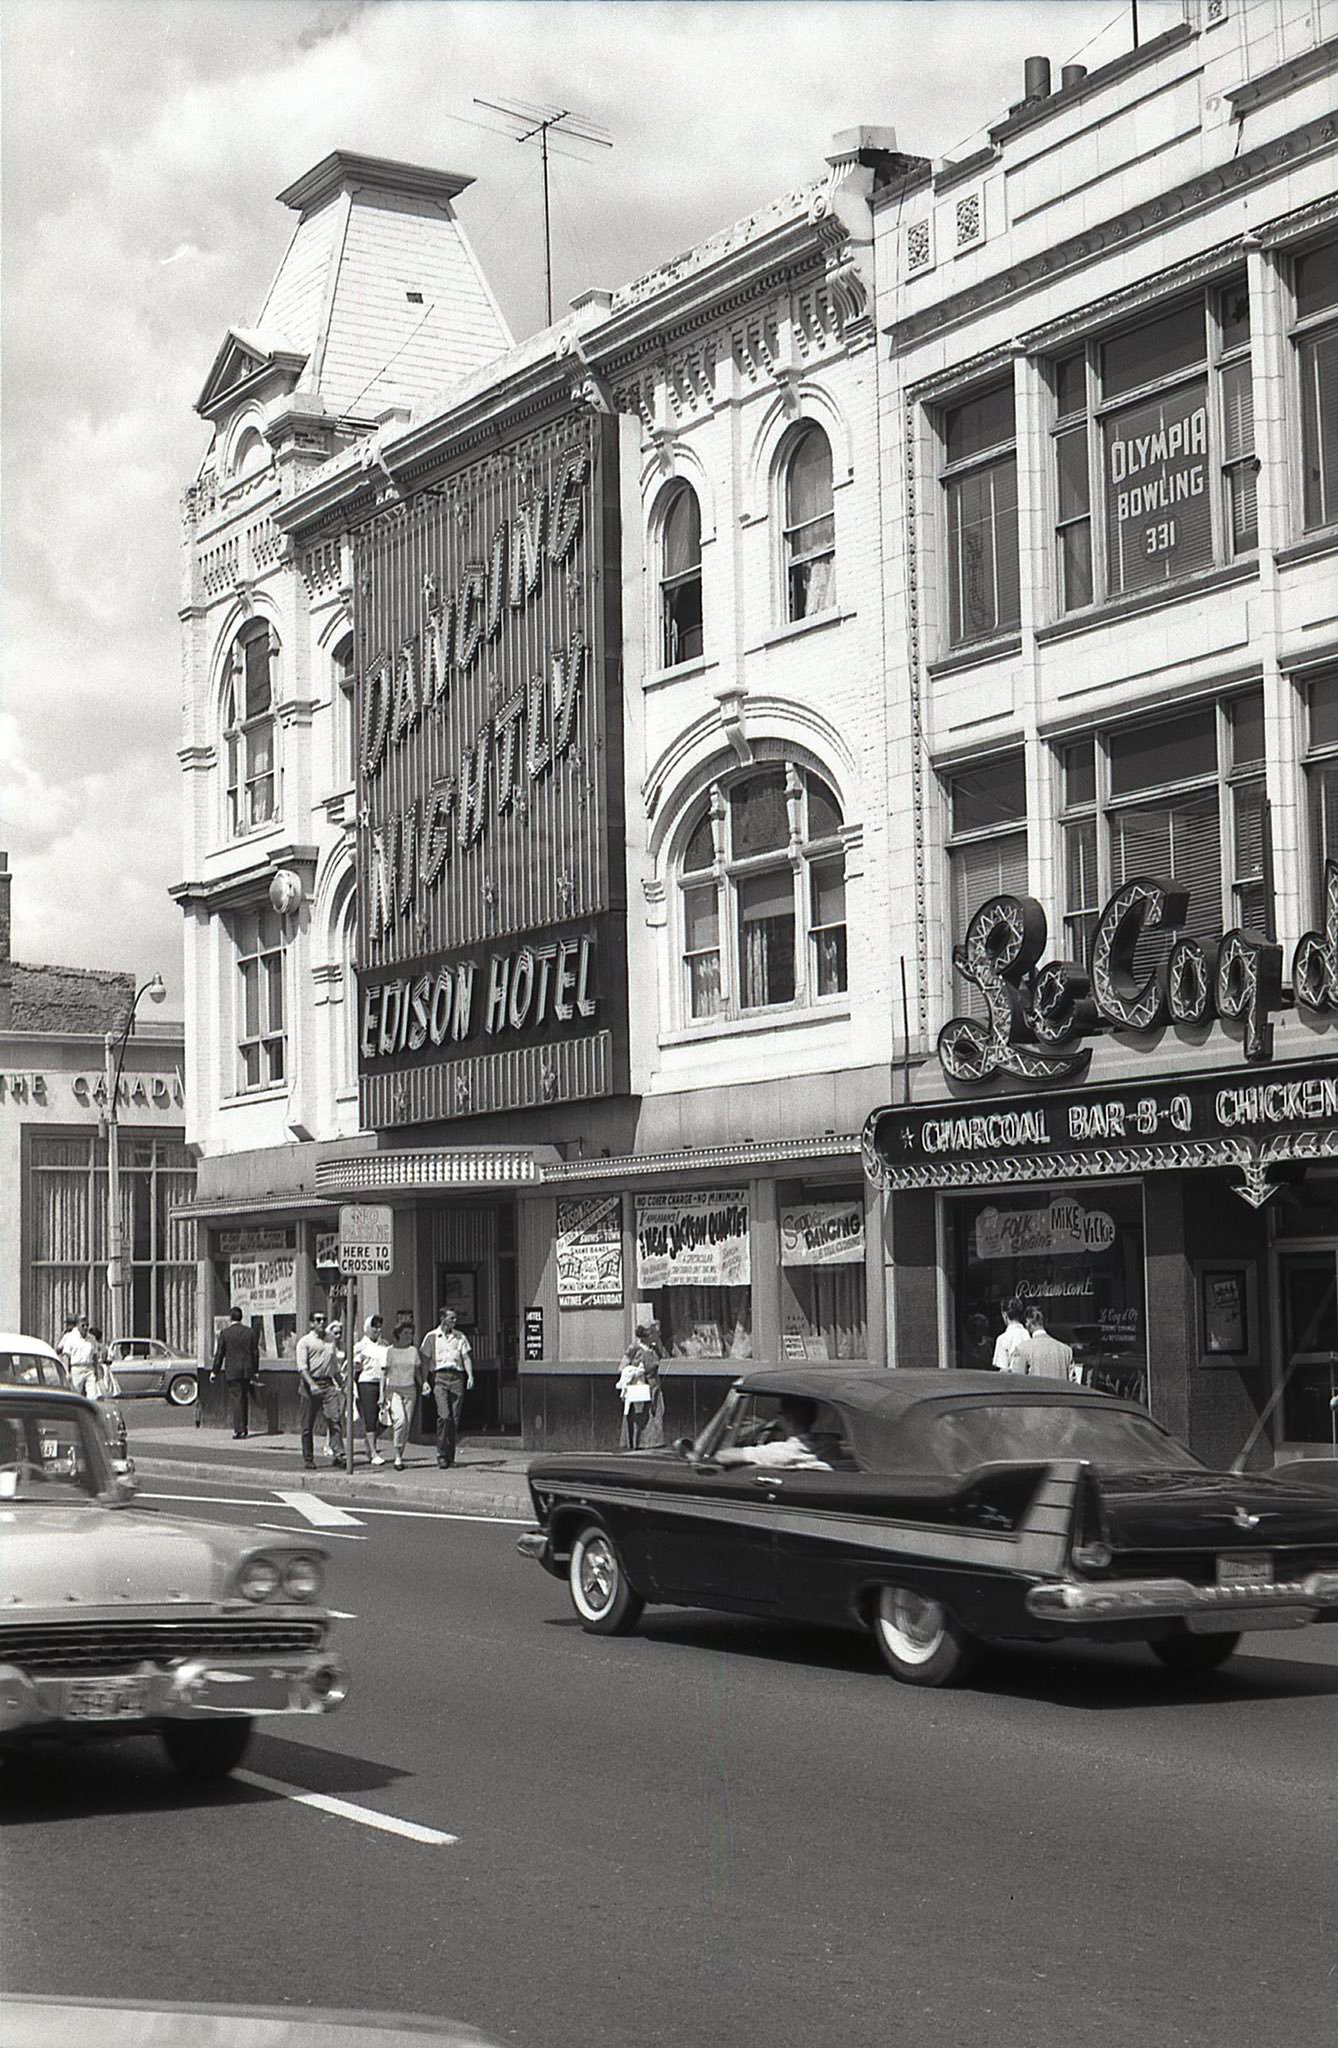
<point x="711" y="1831"/>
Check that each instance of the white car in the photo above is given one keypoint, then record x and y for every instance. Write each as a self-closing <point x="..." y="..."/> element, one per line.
<point x="31" y="1362"/>
<point x="145" y="1365"/>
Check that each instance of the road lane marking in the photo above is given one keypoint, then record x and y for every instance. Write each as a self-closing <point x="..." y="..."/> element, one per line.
<point x="232" y="1500"/>
<point x="287" y="1529"/>
<point x="447" y="1515"/>
<point x="213" y="1500"/>
<point x="344" y="1809"/>
<point x="323" y="1513"/>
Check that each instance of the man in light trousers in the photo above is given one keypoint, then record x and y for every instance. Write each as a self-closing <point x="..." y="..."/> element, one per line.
<point x="450" y="1367"/>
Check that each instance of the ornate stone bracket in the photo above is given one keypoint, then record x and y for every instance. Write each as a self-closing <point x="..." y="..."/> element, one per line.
<point x="731" y="703"/>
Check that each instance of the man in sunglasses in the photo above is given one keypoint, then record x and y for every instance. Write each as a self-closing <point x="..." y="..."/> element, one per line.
<point x="320" y="1391"/>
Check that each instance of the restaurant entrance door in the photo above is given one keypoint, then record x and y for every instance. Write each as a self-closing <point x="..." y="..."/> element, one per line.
<point x="1309" y="1298"/>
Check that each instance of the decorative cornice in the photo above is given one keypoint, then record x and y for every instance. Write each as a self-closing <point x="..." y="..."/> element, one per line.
<point x="1075" y="252"/>
<point x="705" y="1158"/>
<point x="1284" y="78"/>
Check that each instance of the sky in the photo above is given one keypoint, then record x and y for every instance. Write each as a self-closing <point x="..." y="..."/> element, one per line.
<point x="141" y="145"/>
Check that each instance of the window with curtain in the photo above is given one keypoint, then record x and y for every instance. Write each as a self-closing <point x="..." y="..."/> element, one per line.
<point x="823" y="1297"/>
<point x="249" y="729"/>
<point x="979" y="478"/>
<point x="343" y="708"/>
<point x="810" y="525"/>
<point x="1315" y="338"/>
<point x="67" y="1191"/>
<point x="1321" y="769"/>
<point x="1162" y="413"/>
<point x="681" y="578"/>
<point x="1179" y="798"/>
<point x="257" y="937"/>
<point x="987" y="851"/>
<point x="762" y="909"/>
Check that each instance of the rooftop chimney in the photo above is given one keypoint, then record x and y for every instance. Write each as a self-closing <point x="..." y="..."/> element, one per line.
<point x="1072" y="74"/>
<point x="1036" y="78"/>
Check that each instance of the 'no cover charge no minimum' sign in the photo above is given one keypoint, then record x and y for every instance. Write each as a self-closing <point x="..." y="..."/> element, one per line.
<point x="365" y="1238"/>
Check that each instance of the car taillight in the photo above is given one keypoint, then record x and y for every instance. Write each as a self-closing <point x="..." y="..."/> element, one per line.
<point x="1089" y="1549"/>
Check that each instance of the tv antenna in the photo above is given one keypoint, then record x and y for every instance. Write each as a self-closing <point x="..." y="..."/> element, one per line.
<point x="535" y="123"/>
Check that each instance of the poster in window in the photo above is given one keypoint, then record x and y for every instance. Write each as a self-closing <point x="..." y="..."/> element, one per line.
<point x="822" y="1234"/>
<point x="1225" y="1325"/>
<point x="697" y="1239"/>
<point x="265" y="1286"/>
<point x="1158" y="489"/>
<point x="458" y="1291"/>
<point x="589" y="1253"/>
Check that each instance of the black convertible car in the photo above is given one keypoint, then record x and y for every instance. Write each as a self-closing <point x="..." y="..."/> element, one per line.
<point x="939" y="1509"/>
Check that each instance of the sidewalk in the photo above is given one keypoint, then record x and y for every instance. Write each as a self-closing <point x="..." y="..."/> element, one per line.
<point x="487" y="1478"/>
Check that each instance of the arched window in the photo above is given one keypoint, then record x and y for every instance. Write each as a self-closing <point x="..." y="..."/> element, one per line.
<point x="762" y="894"/>
<point x="251" y="454"/>
<point x="248" y="729"/>
<point x="681" y="578"/>
<point x="342" y="693"/>
<point x="810" y="525"/>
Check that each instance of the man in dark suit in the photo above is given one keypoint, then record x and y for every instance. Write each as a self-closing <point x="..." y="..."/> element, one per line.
<point x="237" y="1357"/>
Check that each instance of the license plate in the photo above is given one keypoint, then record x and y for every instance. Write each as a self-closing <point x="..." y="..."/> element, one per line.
<point x="106" y="1699"/>
<point x="1244" y="1571"/>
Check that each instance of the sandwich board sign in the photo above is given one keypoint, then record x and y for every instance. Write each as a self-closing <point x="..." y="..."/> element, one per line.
<point x="366" y="1232"/>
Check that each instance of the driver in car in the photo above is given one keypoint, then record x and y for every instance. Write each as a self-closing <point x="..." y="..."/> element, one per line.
<point x="797" y="1445"/>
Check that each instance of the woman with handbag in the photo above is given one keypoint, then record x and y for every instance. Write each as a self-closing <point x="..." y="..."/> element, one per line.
<point x="369" y="1361"/>
<point x="403" y="1377"/>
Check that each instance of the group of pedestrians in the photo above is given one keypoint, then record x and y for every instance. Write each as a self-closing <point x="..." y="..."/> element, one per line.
<point x="88" y="1358"/>
<point x="1025" y="1345"/>
<point x="389" y="1379"/>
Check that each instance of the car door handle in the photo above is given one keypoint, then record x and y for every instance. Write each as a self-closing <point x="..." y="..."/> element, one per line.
<point x="766" y="1479"/>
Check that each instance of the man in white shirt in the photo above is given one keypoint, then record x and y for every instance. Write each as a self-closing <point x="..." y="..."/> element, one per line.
<point x="80" y="1353"/>
<point x="1011" y="1338"/>
<point x="450" y="1366"/>
<point x="797" y="1450"/>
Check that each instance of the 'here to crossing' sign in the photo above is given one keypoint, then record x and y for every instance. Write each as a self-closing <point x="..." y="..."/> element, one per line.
<point x="365" y="1238"/>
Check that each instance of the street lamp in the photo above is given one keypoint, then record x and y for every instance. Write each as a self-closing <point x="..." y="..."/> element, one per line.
<point x="118" y="1280"/>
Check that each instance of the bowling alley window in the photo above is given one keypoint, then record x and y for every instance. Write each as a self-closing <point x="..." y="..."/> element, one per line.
<point x="979" y="477"/>
<point x="761" y="895"/>
<point x="1153" y="462"/>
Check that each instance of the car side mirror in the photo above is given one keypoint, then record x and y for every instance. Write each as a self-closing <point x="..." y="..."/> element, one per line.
<point x="683" y="1446"/>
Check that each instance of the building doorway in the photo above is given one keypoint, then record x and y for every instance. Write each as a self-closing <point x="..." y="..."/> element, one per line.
<point x="474" y="1275"/>
<point x="1309" y="1302"/>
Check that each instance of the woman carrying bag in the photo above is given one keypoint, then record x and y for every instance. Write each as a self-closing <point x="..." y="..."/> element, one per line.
<point x="641" y="1392"/>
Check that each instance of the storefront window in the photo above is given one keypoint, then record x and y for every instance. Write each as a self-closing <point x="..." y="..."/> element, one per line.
<point x="694" y="1267"/>
<point x="68" y="1272"/>
<point x="822" y="1272"/>
<point x="1076" y="1252"/>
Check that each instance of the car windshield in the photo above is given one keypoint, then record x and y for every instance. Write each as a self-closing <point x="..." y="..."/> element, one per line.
<point x="47" y="1455"/>
<point x="937" y="1437"/>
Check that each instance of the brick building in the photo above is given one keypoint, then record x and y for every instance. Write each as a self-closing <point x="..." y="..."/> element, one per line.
<point x="54" y="1022"/>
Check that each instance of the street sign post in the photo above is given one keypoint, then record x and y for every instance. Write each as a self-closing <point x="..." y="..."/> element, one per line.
<point x="366" y="1246"/>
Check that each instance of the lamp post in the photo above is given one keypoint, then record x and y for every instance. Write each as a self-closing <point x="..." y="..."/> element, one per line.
<point x="118" y="1280"/>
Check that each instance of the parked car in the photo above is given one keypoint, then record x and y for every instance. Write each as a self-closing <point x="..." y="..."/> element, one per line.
<point x="938" y="1510"/>
<point x="117" y="1621"/>
<point x="30" y="1361"/>
<point x="145" y="1365"/>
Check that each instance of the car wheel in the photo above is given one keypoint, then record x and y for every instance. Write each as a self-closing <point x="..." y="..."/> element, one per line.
<point x="182" y="1389"/>
<point x="1189" y="1655"/>
<point x="920" y="1642"/>
<point x="206" y="1749"/>
<point x="598" y="1584"/>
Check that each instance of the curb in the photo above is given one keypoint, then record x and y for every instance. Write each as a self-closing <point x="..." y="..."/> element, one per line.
<point x="401" y="1491"/>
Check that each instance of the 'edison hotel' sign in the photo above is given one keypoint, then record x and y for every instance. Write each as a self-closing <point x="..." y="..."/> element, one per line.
<point x="492" y="908"/>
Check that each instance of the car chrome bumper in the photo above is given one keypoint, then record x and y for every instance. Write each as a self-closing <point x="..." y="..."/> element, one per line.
<point x="196" y="1689"/>
<point x="1203" y="1609"/>
<point x="534" y="1543"/>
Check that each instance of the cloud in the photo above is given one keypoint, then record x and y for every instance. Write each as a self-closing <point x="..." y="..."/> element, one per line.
<point x="143" y="143"/>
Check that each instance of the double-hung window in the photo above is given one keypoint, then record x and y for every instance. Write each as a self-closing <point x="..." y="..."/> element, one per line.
<point x="248" y="730"/>
<point x="681" y="578"/>
<point x="1321" y="768"/>
<point x="1153" y="439"/>
<point x="1315" y="335"/>
<point x="979" y="477"/>
<point x="987" y="851"/>
<point x="762" y="894"/>
<point x="1180" y="799"/>
<point x="257" y="937"/>
<point x="810" y="526"/>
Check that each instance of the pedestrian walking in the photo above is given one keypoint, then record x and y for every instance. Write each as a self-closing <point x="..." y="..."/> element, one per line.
<point x="1048" y="1357"/>
<point x="447" y="1357"/>
<point x="641" y="1390"/>
<point x="369" y="1363"/>
<point x="80" y="1353"/>
<point x="237" y="1364"/>
<point x="105" y="1385"/>
<point x="402" y="1378"/>
<point x="320" y="1391"/>
<point x="1012" y="1336"/>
